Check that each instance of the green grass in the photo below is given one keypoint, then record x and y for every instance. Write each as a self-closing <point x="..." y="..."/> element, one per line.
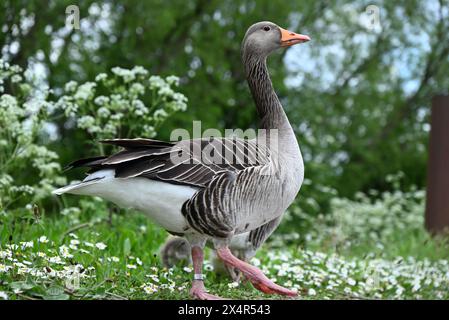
<point x="131" y="238"/>
<point x="410" y="266"/>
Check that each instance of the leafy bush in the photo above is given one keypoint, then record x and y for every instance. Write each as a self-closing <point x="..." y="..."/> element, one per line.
<point x="369" y="220"/>
<point x="28" y="169"/>
<point x="111" y="106"/>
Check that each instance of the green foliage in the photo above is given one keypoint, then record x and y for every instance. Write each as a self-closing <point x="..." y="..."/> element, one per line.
<point x="113" y="107"/>
<point x="386" y="224"/>
<point x="21" y="153"/>
<point x="110" y="107"/>
<point x="85" y="256"/>
<point x="362" y="99"/>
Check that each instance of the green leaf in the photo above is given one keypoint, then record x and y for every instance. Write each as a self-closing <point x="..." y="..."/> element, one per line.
<point x="126" y="246"/>
<point x="55" y="291"/>
<point x="22" y="285"/>
<point x="57" y="297"/>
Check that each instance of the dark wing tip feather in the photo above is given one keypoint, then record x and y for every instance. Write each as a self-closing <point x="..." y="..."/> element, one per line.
<point x="86" y="162"/>
<point x="137" y="143"/>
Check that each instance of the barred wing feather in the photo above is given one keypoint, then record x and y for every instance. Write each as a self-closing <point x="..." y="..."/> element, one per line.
<point x="190" y="162"/>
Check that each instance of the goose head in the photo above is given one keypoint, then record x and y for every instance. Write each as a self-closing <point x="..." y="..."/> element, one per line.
<point x="262" y="38"/>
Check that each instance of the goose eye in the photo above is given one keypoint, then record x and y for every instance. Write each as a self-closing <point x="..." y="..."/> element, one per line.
<point x="267" y="28"/>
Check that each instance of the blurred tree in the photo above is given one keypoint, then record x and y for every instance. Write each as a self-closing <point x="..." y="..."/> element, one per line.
<point x="358" y="94"/>
<point x="364" y="101"/>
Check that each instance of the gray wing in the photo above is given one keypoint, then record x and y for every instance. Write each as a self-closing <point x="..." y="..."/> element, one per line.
<point x="257" y="237"/>
<point x="190" y="162"/>
<point x="212" y="165"/>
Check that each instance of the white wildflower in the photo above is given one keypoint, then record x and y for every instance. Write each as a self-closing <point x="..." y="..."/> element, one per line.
<point x="26" y="244"/>
<point x="139" y="107"/>
<point x="103" y="112"/>
<point x="100" y="77"/>
<point x="101" y="100"/>
<point x="416" y="285"/>
<point x="165" y="91"/>
<point x="70" y="211"/>
<point x="126" y="74"/>
<point x="64" y="252"/>
<point x="139" y="70"/>
<point x="172" y="80"/>
<point x="86" y="122"/>
<point x="399" y="291"/>
<point x="85" y="91"/>
<point x="137" y="89"/>
<point x="100" y="245"/>
<point x="255" y="262"/>
<point x="150" y="288"/>
<point x="16" y="78"/>
<point x="154" y="277"/>
<point x="160" y="114"/>
<point x="156" y="82"/>
<point x="70" y="86"/>
<point x="43" y="239"/>
<point x="4" y="268"/>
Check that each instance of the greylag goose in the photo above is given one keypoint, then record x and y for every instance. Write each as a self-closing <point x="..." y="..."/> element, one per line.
<point x="192" y="195"/>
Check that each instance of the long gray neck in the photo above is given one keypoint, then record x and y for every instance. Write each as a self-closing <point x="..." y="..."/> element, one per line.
<point x="268" y="106"/>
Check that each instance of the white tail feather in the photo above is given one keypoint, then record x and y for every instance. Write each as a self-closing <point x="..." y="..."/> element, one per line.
<point x="76" y="188"/>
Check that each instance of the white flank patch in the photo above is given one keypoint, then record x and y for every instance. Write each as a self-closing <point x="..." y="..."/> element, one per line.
<point x="160" y="200"/>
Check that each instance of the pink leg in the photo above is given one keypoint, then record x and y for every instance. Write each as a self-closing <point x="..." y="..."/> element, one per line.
<point x="198" y="291"/>
<point x="234" y="273"/>
<point x="253" y="274"/>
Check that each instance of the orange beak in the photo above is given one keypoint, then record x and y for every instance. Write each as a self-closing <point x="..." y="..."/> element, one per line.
<point x="289" y="38"/>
